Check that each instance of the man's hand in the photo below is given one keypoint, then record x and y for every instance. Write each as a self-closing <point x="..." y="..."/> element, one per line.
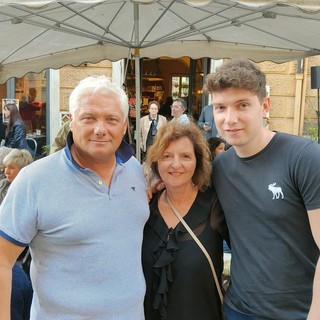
<point x="156" y="184"/>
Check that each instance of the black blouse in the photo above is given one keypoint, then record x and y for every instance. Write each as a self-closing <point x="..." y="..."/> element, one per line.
<point x="180" y="284"/>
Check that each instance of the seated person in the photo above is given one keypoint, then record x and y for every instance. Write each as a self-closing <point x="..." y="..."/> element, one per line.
<point x="13" y="162"/>
<point x="21" y="295"/>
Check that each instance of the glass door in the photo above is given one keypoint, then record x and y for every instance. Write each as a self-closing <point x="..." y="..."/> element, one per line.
<point x="179" y="86"/>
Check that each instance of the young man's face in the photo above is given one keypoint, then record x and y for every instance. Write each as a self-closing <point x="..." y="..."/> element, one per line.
<point x="98" y="127"/>
<point x="238" y="114"/>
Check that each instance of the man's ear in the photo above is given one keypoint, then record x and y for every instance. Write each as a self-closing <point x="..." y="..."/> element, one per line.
<point x="71" y="122"/>
<point x="266" y="106"/>
<point x="125" y="126"/>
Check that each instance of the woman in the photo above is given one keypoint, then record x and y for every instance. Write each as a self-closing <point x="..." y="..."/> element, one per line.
<point x="180" y="284"/>
<point x="13" y="163"/>
<point x="16" y="130"/>
<point x="21" y="293"/>
<point x="216" y="145"/>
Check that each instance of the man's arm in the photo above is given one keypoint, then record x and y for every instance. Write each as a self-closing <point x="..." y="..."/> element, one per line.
<point x="314" y="219"/>
<point x="9" y="253"/>
<point x="201" y="119"/>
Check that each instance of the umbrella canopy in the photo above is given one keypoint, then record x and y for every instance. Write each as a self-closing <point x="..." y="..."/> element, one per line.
<point x="38" y="34"/>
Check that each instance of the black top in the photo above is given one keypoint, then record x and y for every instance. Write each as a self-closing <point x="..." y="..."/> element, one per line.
<point x="16" y="137"/>
<point x="180" y="284"/>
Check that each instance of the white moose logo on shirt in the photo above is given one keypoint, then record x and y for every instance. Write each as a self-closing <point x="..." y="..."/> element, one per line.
<point x="276" y="191"/>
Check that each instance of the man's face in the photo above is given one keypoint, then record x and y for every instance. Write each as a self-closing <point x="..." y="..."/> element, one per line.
<point x="176" y="109"/>
<point x="98" y="127"/>
<point x="238" y="115"/>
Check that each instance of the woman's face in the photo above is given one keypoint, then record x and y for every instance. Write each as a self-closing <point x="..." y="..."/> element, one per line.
<point x="219" y="149"/>
<point x="178" y="162"/>
<point x="11" y="171"/>
<point x="6" y="112"/>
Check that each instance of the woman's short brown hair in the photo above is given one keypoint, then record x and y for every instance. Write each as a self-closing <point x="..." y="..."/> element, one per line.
<point x="174" y="131"/>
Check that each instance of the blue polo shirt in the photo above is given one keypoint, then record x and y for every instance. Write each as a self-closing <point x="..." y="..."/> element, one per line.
<point x="85" y="238"/>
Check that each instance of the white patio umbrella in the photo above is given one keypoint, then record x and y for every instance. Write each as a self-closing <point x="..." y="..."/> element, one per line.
<point x="38" y="34"/>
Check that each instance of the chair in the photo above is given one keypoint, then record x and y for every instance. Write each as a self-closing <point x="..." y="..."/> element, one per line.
<point x="32" y="144"/>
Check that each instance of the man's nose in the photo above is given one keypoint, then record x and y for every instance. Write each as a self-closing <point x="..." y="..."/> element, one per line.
<point x="100" y="128"/>
<point x="231" y="116"/>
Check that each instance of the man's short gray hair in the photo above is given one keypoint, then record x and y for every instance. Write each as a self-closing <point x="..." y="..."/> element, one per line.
<point x="101" y="85"/>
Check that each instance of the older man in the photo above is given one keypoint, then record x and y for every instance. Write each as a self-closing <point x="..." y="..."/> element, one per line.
<point x="81" y="211"/>
<point x="178" y="108"/>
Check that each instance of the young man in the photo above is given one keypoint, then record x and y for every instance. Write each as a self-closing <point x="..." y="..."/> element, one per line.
<point x="81" y="211"/>
<point x="268" y="186"/>
<point x="178" y="108"/>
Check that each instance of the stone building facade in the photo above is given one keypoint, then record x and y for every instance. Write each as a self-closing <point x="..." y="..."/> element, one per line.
<point x="70" y="77"/>
<point x="293" y="102"/>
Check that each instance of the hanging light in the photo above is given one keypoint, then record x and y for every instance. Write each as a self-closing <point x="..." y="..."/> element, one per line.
<point x="197" y="3"/>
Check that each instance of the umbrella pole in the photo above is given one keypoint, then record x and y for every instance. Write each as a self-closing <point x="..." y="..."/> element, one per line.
<point x="137" y="79"/>
<point x="318" y="114"/>
<point x="138" y="103"/>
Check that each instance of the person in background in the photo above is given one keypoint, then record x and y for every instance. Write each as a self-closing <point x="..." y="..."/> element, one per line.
<point x="165" y="109"/>
<point x="3" y="152"/>
<point x="206" y="122"/>
<point x="178" y="109"/>
<point x="91" y="221"/>
<point x="216" y="145"/>
<point x="13" y="163"/>
<point x="179" y="280"/>
<point x="268" y="187"/>
<point x="149" y="125"/>
<point x="61" y="138"/>
<point x="21" y="295"/>
<point x="15" y="131"/>
<point x="3" y="126"/>
<point x="28" y="108"/>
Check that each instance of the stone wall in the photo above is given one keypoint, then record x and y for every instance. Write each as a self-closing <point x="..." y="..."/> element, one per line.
<point x="293" y="102"/>
<point x="70" y="77"/>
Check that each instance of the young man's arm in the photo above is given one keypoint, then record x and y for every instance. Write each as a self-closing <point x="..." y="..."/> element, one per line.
<point x="314" y="218"/>
<point x="9" y="253"/>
